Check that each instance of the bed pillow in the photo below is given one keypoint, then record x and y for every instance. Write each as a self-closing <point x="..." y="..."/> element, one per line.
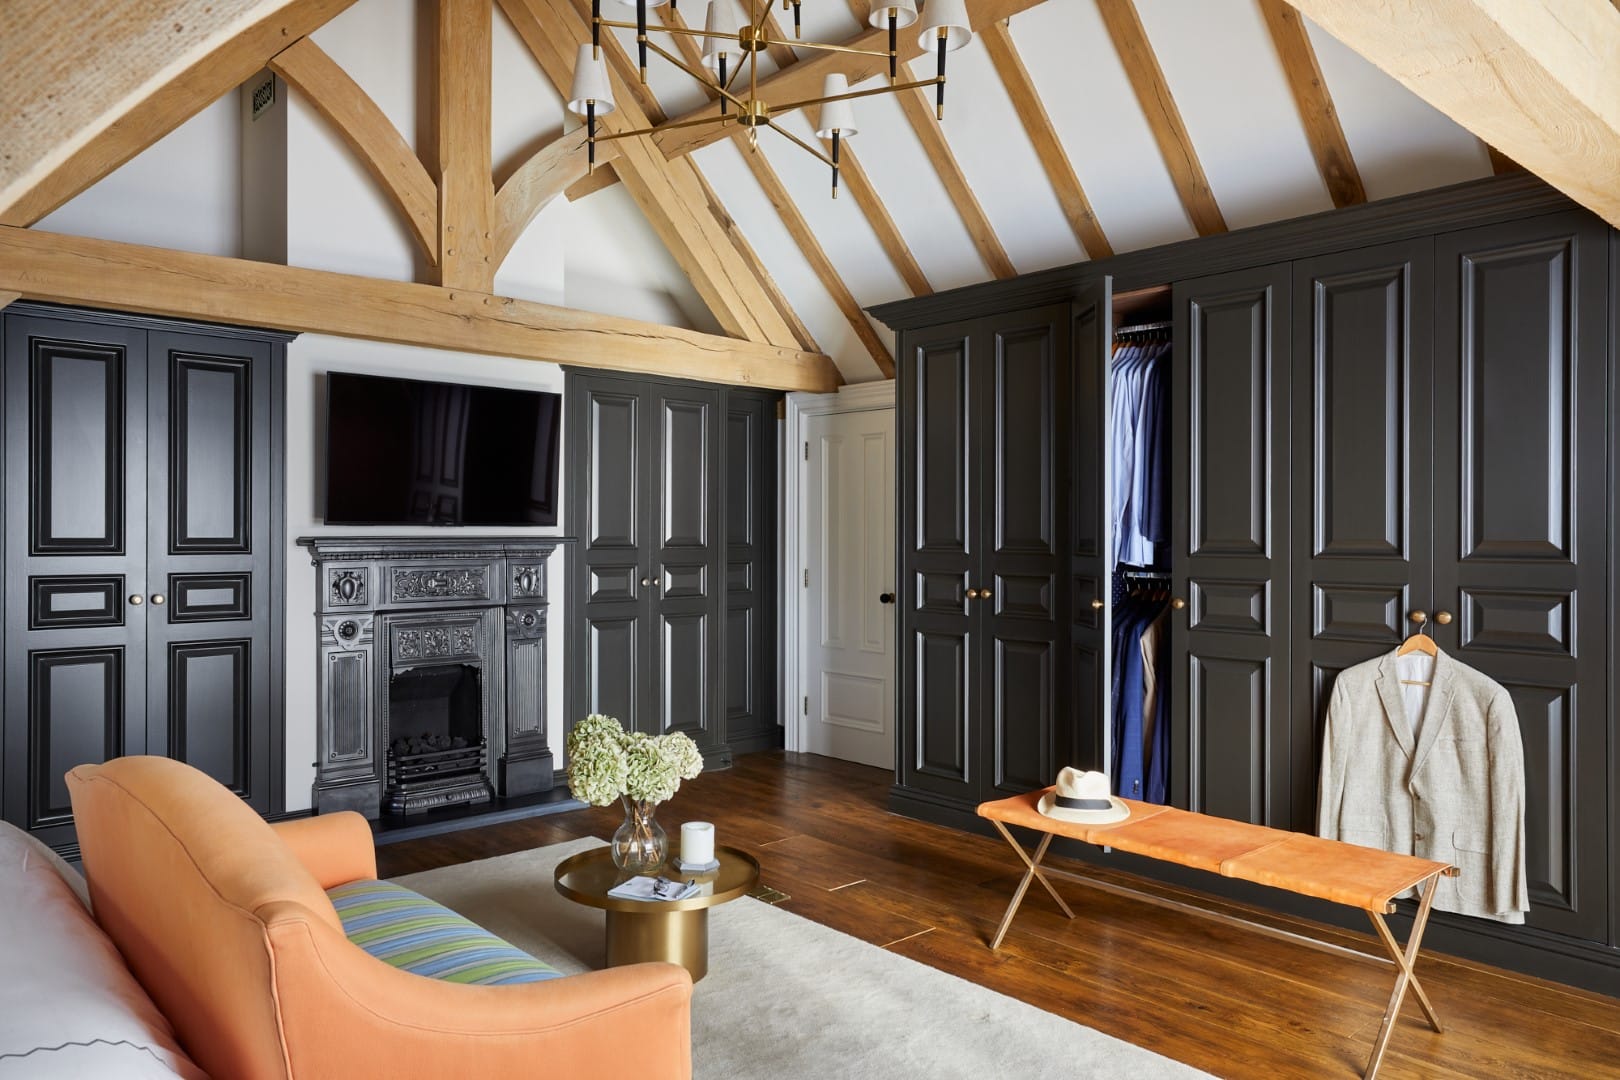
<point x="68" y="1005"/>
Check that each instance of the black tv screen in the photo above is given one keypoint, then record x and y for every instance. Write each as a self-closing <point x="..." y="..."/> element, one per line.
<point x="410" y="452"/>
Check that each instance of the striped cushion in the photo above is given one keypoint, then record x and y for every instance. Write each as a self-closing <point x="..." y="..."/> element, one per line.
<point x="415" y="934"/>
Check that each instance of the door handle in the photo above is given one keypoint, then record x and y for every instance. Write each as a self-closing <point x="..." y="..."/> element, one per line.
<point x="157" y="599"/>
<point x="1178" y="603"/>
<point x="1419" y="617"/>
<point x="886" y="598"/>
<point x="136" y="600"/>
<point x="1443" y="618"/>
<point x="1096" y="604"/>
<point x="646" y="581"/>
<point x="973" y="594"/>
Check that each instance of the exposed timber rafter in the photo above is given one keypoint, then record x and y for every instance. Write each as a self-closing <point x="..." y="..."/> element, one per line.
<point x="667" y="192"/>
<point x="1323" y="131"/>
<point x="154" y="281"/>
<point x="156" y="65"/>
<point x="546" y="174"/>
<point x="1164" y="119"/>
<point x="1043" y="136"/>
<point x="1539" y="82"/>
<point x="9" y="298"/>
<point x="369" y="134"/>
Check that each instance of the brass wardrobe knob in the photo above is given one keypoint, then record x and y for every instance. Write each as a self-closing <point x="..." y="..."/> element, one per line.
<point x="1419" y="617"/>
<point x="1443" y="618"/>
<point x="1096" y="605"/>
<point x="1178" y="603"/>
<point x="973" y="594"/>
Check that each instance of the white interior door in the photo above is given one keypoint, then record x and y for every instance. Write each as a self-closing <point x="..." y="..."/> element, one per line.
<point x="848" y="545"/>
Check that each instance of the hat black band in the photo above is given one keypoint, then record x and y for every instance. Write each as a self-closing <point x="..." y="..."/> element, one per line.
<point x="1083" y="804"/>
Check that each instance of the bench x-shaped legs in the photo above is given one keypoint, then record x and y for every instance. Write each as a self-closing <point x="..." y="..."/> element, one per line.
<point x="1406" y="977"/>
<point x="1033" y="872"/>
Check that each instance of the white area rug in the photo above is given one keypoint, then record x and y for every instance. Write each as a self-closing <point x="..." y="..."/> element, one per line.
<point x="787" y="998"/>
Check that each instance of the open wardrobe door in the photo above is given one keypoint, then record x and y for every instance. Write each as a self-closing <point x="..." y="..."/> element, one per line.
<point x="1089" y="660"/>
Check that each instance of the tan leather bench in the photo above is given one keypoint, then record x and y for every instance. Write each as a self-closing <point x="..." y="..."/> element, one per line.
<point x="1326" y="869"/>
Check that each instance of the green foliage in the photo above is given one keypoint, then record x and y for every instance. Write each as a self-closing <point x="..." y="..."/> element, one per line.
<point x="605" y="762"/>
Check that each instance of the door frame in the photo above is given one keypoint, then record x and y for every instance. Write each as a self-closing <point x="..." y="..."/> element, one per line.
<point x="859" y="397"/>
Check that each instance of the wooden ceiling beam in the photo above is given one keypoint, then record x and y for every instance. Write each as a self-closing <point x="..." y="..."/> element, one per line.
<point x="668" y="193"/>
<point x="9" y="298"/>
<point x="128" y="277"/>
<point x="1323" y="131"/>
<point x="604" y="176"/>
<point x="369" y="134"/>
<point x="466" y="183"/>
<point x="805" y="238"/>
<point x="1043" y="136"/>
<point x="90" y="84"/>
<point x="1540" y="82"/>
<point x="548" y="173"/>
<point x="802" y="80"/>
<point x="1164" y="119"/>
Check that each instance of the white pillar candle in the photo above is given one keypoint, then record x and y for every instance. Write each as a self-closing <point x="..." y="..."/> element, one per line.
<point x="697" y="843"/>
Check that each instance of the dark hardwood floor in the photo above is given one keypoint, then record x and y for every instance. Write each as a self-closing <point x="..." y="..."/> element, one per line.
<point x="1221" y="998"/>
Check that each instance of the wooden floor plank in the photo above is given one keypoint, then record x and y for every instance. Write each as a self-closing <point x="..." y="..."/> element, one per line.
<point x="1217" y="997"/>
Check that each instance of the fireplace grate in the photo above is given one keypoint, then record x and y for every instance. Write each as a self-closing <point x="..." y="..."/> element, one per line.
<point x="437" y="778"/>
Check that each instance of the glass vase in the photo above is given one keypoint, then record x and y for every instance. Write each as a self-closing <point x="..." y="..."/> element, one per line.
<point x="640" y="844"/>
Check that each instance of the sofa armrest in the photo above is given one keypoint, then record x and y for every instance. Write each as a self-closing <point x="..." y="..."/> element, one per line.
<point x="345" y="1013"/>
<point x="335" y="848"/>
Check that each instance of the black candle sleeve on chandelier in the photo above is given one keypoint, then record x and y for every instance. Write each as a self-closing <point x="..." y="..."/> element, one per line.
<point x="894" y="50"/>
<point x="724" y="101"/>
<point x="939" y="88"/>
<point x="796" y="17"/>
<point x="596" y="25"/>
<point x="641" y="38"/>
<point x="835" y="162"/>
<point x="590" y="131"/>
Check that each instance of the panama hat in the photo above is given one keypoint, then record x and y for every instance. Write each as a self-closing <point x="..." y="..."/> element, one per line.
<point x="1083" y="797"/>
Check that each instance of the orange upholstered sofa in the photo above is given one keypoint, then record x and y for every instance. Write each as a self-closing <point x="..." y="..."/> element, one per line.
<point x="225" y="921"/>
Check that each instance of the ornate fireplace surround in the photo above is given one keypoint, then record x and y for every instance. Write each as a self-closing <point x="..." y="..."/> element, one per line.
<point x="388" y="606"/>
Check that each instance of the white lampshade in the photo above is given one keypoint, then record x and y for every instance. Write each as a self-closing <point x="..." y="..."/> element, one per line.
<point x="725" y="17"/>
<point x="836" y="116"/>
<point x="591" y="83"/>
<point x="650" y="3"/>
<point x="905" y="13"/>
<point x="950" y="16"/>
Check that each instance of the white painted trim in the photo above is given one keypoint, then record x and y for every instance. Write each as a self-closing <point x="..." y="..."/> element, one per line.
<point x="859" y="397"/>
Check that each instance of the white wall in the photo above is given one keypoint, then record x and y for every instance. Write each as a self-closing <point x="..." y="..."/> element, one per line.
<point x="309" y="358"/>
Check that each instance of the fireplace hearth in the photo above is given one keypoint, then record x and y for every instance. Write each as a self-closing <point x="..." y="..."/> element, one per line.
<point x="432" y="673"/>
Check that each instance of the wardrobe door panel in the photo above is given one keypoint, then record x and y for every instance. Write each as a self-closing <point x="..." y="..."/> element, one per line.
<point x="75" y="574"/>
<point x="1232" y="743"/>
<point x="938" y="384"/>
<point x="750" y="464"/>
<point x="607" y="568"/>
<point x="210" y="688"/>
<point x="1363" y="466"/>
<point x="687" y="585"/>
<point x="1023" y="584"/>
<point x="1082" y="744"/>
<point x="1521" y="525"/>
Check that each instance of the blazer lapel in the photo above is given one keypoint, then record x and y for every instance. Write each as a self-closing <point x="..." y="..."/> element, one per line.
<point x="1389" y="692"/>
<point x="1437" y="717"/>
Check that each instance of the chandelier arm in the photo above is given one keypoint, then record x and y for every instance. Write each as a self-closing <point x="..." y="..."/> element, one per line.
<point x="828" y="47"/>
<point x="666" y="28"/>
<point x="789" y="106"/>
<point x="765" y="13"/>
<point x="698" y="75"/>
<point x="785" y="133"/>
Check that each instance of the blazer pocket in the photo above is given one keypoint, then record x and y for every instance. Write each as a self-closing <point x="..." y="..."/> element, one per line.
<point x="1470" y="852"/>
<point x="1471" y="755"/>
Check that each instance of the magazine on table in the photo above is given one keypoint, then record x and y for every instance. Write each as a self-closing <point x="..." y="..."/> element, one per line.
<point x="653" y="888"/>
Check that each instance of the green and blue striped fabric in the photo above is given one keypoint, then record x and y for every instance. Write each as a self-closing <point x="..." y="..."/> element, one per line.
<point x="411" y="932"/>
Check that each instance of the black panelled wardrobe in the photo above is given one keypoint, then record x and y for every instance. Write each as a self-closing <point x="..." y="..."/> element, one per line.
<point x="672" y="601"/>
<point x="144" y="551"/>
<point x="1385" y="419"/>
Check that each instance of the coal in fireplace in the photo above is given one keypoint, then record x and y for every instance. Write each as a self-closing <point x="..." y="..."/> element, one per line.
<point x="438" y="753"/>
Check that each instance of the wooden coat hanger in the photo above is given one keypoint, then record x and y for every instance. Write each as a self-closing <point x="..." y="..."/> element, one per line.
<point x="1420" y="641"/>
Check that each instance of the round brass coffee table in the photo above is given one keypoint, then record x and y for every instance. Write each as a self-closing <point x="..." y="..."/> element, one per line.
<point x="640" y="930"/>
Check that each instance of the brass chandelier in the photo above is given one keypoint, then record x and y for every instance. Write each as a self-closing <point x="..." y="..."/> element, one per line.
<point x="732" y="41"/>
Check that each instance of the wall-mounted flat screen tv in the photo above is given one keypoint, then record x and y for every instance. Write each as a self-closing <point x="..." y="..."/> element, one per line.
<point x="410" y="452"/>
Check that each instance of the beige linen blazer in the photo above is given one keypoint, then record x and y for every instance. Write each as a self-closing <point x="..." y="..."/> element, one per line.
<point x="1455" y="794"/>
